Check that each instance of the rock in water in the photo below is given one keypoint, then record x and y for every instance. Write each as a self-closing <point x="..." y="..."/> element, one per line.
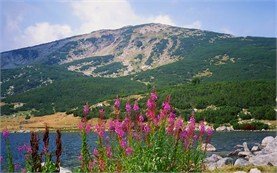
<point x="267" y="140"/>
<point x="209" y="147"/>
<point x="245" y="147"/>
<point x="241" y="162"/>
<point x="224" y="161"/>
<point x="64" y="170"/>
<point x="255" y="148"/>
<point x="255" y="170"/>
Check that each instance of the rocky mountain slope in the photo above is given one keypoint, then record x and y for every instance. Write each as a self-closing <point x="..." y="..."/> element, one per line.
<point x="112" y="53"/>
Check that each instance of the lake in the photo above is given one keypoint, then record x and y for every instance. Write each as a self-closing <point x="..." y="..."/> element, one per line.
<point x="71" y="141"/>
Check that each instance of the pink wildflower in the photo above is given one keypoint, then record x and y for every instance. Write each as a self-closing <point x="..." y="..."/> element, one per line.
<point x="146" y="128"/>
<point x="128" y="107"/>
<point x="129" y="150"/>
<point x="81" y="125"/>
<point x="136" y="106"/>
<point x="153" y="96"/>
<point x="209" y="131"/>
<point x="123" y="143"/>
<point x="166" y="106"/>
<point x="1" y="159"/>
<point x="141" y="119"/>
<point x="5" y="133"/>
<point x="101" y="113"/>
<point x="88" y="128"/>
<point x="95" y="152"/>
<point x="80" y="157"/>
<point x="117" y="103"/>
<point x="99" y="130"/>
<point x="109" y="151"/>
<point x="178" y="124"/>
<point x="16" y="166"/>
<point x="86" y="109"/>
<point x="23" y="170"/>
<point x="202" y="128"/>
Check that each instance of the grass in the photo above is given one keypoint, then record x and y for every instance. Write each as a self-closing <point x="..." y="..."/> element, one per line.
<point x="228" y="169"/>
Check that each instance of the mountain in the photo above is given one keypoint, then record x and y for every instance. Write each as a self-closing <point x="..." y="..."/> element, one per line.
<point x="104" y="63"/>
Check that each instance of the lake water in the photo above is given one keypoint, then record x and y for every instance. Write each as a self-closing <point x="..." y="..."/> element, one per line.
<point x="71" y="141"/>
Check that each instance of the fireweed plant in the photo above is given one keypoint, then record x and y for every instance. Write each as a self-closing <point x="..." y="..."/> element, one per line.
<point x="157" y="142"/>
<point x="35" y="161"/>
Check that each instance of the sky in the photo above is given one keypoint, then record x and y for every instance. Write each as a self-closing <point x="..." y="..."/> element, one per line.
<point x="31" y="22"/>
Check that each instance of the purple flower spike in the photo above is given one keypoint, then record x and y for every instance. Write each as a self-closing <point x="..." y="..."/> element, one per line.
<point x="136" y="106"/>
<point x="86" y="110"/>
<point x="117" y="103"/>
<point x="128" y="107"/>
<point x="5" y="133"/>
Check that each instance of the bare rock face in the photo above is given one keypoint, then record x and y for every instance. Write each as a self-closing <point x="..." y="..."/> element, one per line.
<point x="267" y="140"/>
<point x="255" y="148"/>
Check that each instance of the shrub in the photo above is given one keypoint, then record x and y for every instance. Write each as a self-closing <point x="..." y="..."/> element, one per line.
<point x="256" y="125"/>
<point x="163" y="143"/>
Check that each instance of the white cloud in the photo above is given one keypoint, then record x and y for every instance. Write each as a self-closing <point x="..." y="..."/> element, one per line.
<point x="110" y="15"/>
<point x="43" y="32"/>
<point x="196" y="25"/>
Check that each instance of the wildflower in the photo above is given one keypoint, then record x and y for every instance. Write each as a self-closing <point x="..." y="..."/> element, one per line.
<point x="81" y="125"/>
<point x="109" y="151"/>
<point x="178" y="124"/>
<point x="141" y="119"/>
<point x="80" y="157"/>
<point x="88" y="128"/>
<point x="117" y="103"/>
<point x="146" y="128"/>
<point x="23" y="170"/>
<point x="209" y="131"/>
<point x="166" y="106"/>
<point x="95" y="152"/>
<point x="99" y="129"/>
<point x="16" y="166"/>
<point x="128" y="107"/>
<point x="153" y="96"/>
<point x="136" y="106"/>
<point x="129" y="150"/>
<point x="5" y="133"/>
<point x="183" y="134"/>
<point x="86" y="110"/>
<point x="118" y="129"/>
<point x="123" y="143"/>
<point x="1" y="159"/>
<point x="202" y="128"/>
<point x="112" y="125"/>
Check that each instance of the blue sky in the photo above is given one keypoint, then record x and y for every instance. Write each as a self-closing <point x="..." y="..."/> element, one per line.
<point x="30" y="22"/>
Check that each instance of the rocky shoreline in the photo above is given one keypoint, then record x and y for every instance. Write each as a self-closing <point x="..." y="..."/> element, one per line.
<point x="261" y="154"/>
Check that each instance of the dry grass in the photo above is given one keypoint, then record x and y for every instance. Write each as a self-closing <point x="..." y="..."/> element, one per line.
<point x="54" y="121"/>
<point x="229" y="169"/>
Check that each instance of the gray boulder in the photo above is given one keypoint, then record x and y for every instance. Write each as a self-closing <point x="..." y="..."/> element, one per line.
<point x="224" y="161"/>
<point x="241" y="162"/>
<point x="264" y="159"/>
<point x="64" y="170"/>
<point x="255" y="148"/>
<point x="212" y="158"/>
<point x="234" y="153"/>
<point x="267" y="140"/>
<point x="255" y="170"/>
